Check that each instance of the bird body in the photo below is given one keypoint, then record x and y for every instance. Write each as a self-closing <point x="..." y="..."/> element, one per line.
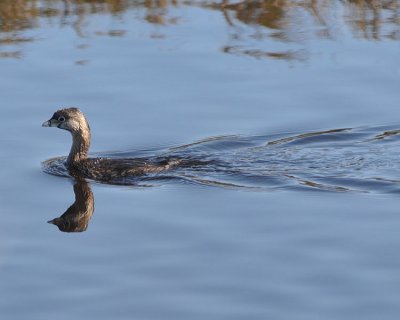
<point x="103" y="169"/>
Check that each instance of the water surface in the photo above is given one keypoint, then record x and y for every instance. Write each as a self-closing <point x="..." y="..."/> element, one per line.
<point x="299" y="98"/>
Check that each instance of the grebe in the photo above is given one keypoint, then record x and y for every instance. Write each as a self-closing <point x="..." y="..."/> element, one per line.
<point x="102" y="169"/>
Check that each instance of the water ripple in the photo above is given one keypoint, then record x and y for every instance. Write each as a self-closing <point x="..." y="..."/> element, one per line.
<point x="338" y="160"/>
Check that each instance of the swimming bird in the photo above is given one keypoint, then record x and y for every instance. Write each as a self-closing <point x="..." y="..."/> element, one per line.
<point x="103" y="169"/>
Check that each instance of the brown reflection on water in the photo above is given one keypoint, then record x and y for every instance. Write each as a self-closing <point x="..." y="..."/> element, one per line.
<point x="253" y="25"/>
<point x="76" y="218"/>
<point x="289" y="21"/>
<point x="372" y="19"/>
<point x="256" y="53"/>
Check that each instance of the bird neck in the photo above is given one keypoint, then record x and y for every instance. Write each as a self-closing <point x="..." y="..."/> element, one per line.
<point x="80" y="146"/>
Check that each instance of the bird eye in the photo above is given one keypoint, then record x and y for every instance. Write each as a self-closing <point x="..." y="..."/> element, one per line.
<point x="61" y="119"/>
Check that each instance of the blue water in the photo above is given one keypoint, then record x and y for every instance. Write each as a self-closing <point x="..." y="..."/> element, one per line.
<point x="311" y="233"/>
<point x="343" y="160"/>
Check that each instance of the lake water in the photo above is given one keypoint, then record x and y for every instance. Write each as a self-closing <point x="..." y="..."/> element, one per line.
<point x="297" y="101"/>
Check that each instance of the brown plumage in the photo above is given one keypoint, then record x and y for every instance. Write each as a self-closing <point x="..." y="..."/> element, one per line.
<point x="102" y="169"/>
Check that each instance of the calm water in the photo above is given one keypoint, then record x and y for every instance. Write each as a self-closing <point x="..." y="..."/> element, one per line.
<point x="295" y="219"/>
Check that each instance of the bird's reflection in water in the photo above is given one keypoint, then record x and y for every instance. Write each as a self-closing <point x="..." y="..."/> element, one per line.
<point x="76" y="218"/>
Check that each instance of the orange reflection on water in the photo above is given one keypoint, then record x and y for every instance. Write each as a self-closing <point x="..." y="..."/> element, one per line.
<point x="252" y="25"/>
